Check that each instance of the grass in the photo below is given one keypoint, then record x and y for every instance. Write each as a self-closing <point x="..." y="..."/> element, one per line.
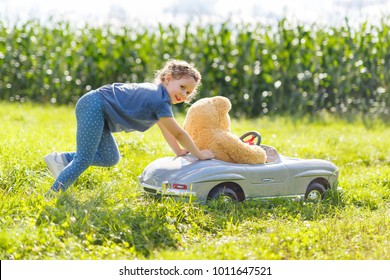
<point x="105" y="216"/>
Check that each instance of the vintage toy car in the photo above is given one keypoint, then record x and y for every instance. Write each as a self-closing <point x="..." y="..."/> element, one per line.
<point x="280" y="176"/>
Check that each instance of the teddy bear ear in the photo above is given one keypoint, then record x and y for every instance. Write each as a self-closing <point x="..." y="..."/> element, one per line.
<point x="222" y="103"/>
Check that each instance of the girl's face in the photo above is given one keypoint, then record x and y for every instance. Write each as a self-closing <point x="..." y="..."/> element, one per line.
<point x="180" y="89"/>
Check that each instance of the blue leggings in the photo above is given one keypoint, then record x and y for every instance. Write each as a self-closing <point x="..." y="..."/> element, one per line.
<point x="95" y="143"/>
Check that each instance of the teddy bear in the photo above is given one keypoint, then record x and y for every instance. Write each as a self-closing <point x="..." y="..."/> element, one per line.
<point x="208" y="123"/>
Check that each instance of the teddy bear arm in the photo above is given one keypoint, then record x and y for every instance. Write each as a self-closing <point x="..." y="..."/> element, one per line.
<point x="240" y="152"/>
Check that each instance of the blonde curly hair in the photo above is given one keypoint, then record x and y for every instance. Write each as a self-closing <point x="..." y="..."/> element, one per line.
<point x="178" y="69"/>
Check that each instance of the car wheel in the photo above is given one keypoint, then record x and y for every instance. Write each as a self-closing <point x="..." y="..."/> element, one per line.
<point x="226" y="193"/>
<point x="315" y="192"/>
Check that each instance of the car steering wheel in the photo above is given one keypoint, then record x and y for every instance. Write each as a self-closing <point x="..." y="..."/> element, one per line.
<point x="250" y="137"/>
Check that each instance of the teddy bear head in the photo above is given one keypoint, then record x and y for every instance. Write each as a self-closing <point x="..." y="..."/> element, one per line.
<point x="208" y="113"/>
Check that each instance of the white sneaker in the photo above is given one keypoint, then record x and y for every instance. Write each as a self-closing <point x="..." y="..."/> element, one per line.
<point x="55" y="163"/>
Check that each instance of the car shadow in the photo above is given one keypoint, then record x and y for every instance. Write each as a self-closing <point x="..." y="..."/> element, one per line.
<point x="272" y="208"/>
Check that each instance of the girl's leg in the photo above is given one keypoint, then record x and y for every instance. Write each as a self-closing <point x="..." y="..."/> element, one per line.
<point x="107" y="153"/>
<point x="91" y="135"/>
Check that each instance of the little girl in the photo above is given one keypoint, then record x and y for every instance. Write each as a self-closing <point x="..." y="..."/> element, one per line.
<point x="127" y="107"/>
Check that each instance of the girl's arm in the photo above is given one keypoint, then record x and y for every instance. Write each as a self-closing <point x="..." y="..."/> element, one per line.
<point x="168" y="126"/>
<point x="179" y="151"/>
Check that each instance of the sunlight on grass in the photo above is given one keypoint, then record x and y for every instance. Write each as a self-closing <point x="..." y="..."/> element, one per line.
<point x="104" y="215"/>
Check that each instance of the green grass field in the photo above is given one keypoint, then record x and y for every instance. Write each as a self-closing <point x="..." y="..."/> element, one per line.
<point x="105" y="216"/>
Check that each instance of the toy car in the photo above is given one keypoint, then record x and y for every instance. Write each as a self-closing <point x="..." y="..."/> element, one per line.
<point x="280" y="176"/>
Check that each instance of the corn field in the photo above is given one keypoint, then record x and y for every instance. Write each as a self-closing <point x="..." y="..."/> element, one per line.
<point x="288" y="68"/>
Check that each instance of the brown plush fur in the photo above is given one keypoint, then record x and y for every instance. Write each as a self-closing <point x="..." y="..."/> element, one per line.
<point x="208" y="124"/>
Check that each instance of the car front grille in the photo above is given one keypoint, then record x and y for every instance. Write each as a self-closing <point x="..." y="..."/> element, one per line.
<point x="149" y="190"/>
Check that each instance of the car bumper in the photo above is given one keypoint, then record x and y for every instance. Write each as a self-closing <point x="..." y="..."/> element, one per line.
<point x="165" y="190"/>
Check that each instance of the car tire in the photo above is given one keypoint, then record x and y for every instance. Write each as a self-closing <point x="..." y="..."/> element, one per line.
<point x="315" y="192"/>
<point x="226" y="193"/>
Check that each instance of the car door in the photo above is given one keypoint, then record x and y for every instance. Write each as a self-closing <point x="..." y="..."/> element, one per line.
<point x="270" y="179"/>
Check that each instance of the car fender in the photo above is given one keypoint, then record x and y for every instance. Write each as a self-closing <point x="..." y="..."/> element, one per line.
<point x="314" y="173"/>
<point x="220" y="177"/>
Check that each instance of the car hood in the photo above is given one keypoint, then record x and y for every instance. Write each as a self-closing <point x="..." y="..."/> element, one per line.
<point x="187" y="169"/>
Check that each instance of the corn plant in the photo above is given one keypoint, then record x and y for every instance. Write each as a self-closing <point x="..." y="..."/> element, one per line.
<point x="289" y="68"/>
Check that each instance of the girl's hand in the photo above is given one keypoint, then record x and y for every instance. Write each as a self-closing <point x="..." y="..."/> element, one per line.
<point x="206" y="154"/>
